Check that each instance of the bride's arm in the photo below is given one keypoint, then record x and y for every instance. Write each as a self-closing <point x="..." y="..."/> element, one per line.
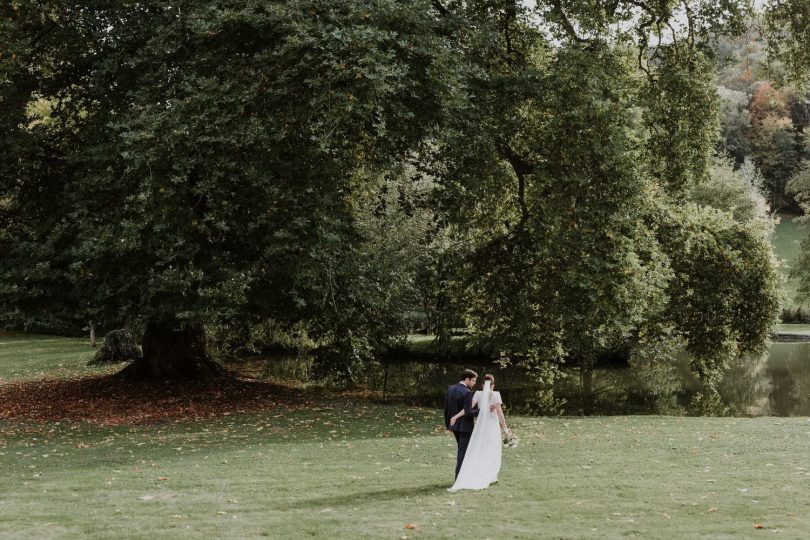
<point x="501" y="418"/>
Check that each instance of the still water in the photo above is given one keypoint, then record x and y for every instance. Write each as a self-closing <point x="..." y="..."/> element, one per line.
<point x="775" y="384"/>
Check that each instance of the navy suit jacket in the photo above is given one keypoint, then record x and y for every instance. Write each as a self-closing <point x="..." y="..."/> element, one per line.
<point x="459" y="397"/>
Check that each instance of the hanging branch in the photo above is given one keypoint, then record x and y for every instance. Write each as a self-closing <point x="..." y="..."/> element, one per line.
<point x="521" y="168"/>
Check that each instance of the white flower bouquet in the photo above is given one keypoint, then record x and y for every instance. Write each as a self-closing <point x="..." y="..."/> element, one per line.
<point x="510" y="439"/>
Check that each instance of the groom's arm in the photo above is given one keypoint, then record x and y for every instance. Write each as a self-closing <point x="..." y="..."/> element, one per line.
<point x="447" y="406"/>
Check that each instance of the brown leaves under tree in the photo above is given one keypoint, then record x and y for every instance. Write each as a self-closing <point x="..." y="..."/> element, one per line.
<point x="118" y="400"/>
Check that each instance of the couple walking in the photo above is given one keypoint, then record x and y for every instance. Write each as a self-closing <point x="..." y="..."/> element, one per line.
<point x="479" y="442"/>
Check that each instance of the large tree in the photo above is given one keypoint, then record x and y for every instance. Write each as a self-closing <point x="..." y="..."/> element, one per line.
<point x="202" y="160"/>
<point x="568" y="187"/>
<point x="217" y="161"/>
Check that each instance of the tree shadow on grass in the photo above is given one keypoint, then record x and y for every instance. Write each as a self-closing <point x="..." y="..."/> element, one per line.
<point x="354" y="499"/>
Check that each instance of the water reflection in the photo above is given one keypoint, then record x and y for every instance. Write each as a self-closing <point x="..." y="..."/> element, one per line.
<point x="775" y="384"/>
<point x="789" y="368"/>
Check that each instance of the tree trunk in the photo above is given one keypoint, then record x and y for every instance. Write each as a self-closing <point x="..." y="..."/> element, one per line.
<point x="586" y="381"/>
<point x="92" y="335"/>
<point x="174" y="351"/>
<point x="385" y="381"/>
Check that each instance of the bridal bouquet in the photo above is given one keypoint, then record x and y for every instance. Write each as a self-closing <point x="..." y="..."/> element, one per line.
<point x="510" y="440"/>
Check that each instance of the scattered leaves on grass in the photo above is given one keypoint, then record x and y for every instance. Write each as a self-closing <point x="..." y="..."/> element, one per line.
<point x="113" y="400"/>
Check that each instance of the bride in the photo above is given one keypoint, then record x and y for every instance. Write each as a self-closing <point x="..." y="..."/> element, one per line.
<point x="483" y="459"/>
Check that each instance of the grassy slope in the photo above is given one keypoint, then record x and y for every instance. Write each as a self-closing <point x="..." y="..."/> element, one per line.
<point x="351" y="468"/>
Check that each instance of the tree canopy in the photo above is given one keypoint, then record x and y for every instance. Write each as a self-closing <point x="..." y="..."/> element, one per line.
<point x="528" y="172"/>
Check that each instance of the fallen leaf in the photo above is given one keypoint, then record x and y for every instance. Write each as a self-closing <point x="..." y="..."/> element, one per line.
<point x="411" y="526"/>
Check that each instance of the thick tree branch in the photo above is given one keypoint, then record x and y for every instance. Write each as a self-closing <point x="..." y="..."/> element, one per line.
<point x="440" y="8"/>
<point x="641" y="50"/>
<point x="556" y="8"/>
<point x="689" y="23"/>
<point x="521" y="168"/>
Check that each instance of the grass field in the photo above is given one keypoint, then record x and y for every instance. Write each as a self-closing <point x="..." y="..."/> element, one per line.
<point x="352" y="468"/>
<point x="25" y="357"/>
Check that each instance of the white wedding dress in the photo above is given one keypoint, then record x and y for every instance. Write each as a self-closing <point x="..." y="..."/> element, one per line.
<point x="482" y="462"/>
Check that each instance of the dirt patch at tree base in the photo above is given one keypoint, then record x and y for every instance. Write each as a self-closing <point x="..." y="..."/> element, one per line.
<point x="114" y="400"/>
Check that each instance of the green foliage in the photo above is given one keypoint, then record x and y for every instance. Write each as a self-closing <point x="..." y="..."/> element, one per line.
<point x="572" y="249"/>
<point x="735" y="121"/>
<point x="717" y="262"/>
<point x="361" y="170"/>
<point x="654" y="367"/>
<point x="798" y="315"/>
<point x="800" y="186"/>
<point x="682" y="116"/>
<point x="728" y="235"/>
<point x="216" y="179"/>
<point x="774" y="148"/>
<point x="578" y="273"/>
<point x="737" y="191"/>
<point x="788" y="24"/>
<point x="764" y="112"/>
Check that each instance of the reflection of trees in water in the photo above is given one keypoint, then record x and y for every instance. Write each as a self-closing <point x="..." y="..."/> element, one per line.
<point x="793" y="394"/>
<point x="746" y="388"/>
<point x="781" y="399"/>
<point x="426" y="383"/>
<point x="648" y="388"/>
<point x="657" y="378"/>
<point x="752" y="386"/>
<point x="800" y="374"/>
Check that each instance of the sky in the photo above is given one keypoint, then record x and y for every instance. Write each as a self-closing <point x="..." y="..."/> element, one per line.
<point x="680" y="16"/>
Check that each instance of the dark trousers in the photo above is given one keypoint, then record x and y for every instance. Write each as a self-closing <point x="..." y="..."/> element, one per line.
<point x="462" y="439"/>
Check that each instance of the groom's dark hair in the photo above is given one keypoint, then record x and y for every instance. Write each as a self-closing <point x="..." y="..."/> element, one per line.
<point x="468" y="374"/>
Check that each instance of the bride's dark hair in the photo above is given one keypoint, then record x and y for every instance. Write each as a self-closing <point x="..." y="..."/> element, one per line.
<point x="489" y="377"/>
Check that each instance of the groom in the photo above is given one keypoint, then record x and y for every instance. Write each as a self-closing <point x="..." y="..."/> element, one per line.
<point x="459" y="396"/>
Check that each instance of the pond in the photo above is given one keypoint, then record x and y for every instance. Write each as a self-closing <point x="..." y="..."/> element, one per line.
<point x="775" y="384"/>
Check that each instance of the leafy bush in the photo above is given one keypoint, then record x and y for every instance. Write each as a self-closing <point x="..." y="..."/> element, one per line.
<point x="795" y="316"/>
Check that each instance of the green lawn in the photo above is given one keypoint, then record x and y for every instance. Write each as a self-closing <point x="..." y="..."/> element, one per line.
<point x="349" y="468"/>
<point x="31" y="356"/>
